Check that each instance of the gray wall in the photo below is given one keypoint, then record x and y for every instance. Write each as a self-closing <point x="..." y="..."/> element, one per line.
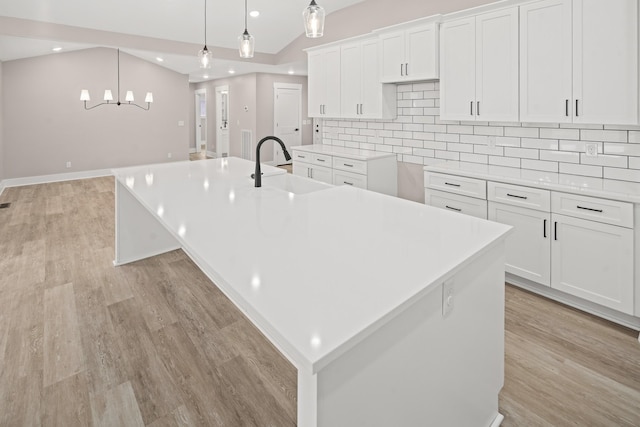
<point x="254" y="91"/>
<point x="47" y="125"/>
<point x="1" y="126"/>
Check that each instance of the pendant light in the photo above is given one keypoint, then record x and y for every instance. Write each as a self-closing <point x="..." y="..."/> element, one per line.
<point x="108" y="96"/>
<point x="245" y="40"/>
<point x="205" y="56"/>
<point x="313" y="17"/>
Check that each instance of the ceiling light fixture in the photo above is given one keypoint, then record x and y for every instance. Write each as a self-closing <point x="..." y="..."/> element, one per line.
<point x="254" y="13"/>
<point x="245" y="40"/>
<point x="232" y="71"/>
<point x="159" y="59"/>
<point x="205" y="56"/>
<point x="313" y="17"/>
<point x="57" y="49"/>
<point x="108" y="96"/>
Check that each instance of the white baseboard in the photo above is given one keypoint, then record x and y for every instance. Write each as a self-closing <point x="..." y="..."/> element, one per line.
<point x="44" y="179"/>
<point x="211" y="154"/>
<point x="2" y="186"/>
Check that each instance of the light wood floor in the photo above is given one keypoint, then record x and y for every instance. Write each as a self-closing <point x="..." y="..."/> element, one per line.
<point x="155" y="343"/>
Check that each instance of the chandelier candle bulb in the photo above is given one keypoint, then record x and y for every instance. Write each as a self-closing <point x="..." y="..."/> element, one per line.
<point x="108" y="96"/>
<point x="129" y="96"/>
<point x="84" y="95"/>
<point x="149" y="98"/>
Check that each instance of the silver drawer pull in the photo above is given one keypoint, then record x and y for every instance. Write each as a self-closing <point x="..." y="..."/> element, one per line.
<point x="453" y="209"/>
<point x="348" y="165"/>
<point x="453" y="185"/>
<point x="301" y="157"/>
<point x="517" y="197"/>
<point x="320" y="160"/>
<point x="589" y="209"/>
<point x="348" y="183"/>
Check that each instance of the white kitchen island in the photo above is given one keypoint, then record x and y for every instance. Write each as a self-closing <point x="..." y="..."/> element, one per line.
<point x="391" y="311"/>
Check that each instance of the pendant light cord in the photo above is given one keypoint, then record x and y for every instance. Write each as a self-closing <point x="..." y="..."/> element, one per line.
<point x="205" y="23"/>
<point x="118" y="76"/>
<point x="245" y="15"/>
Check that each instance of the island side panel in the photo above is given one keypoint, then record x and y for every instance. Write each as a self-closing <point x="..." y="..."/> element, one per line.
<point x="139" y="234"/>
<point x="422" y="368"/>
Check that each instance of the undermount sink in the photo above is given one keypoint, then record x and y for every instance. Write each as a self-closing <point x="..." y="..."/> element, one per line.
<point x="293" y="183"/>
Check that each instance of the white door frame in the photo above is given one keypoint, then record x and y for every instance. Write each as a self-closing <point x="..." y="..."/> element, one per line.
<point x="197" y="94"/>
<point x="220" y="149"/>
<point x="276" y="86"/>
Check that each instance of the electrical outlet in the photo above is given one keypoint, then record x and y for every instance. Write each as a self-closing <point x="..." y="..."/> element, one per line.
<point x="491" y="141"/>
<point x="169" y="155"/>
<point x="591" y="149"/>
<point x="68" y="165"/>
<point x="447" y="298"/>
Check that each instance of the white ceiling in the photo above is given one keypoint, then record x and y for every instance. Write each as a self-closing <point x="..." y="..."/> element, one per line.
<point x="279" y="23"/>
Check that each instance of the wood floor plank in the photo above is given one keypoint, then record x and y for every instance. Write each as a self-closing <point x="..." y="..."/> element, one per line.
<point x="116" y="407"/>
<point x="66" y="403"/>
<point x="178" y="418"/>
<point x="63" y="355"/>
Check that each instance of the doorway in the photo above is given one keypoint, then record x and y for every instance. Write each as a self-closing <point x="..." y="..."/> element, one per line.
<point x="222" y="121"/>
<point x="287" y="118"/>
<point x="201" y="121"/>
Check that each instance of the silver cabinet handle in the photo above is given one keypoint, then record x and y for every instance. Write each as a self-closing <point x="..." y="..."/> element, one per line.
<point x="452" y="185"/>
<point x="477" y="108"/>
<point x="320" y="160"/>
<point x="577" y="108"/>
<point x="566" y="107"/>
<point x="401" y="70"/>
<point x="347" y="165"/>
<point x="471" y="103"/>
<point x="555" y="230"/>
<point x="453" y="209"/>
<point x="406" y="69"/>
<point x="348" y="183"/>
<point x="544" y="229"/>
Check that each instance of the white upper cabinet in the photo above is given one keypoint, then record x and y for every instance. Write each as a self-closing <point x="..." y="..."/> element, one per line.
<point x="479" y="67"/>
<point x="409" y="54"/>
<point x="362" y="94"/>
<point x="579" y="61"/>
<point x="324" y="82"/>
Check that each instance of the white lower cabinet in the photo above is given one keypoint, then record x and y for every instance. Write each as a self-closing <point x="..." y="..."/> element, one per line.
<point x="580" y="245"/>
<point x="319" y="173"/>
<point x="528" y="246"/>
<point x="593" y="261"/>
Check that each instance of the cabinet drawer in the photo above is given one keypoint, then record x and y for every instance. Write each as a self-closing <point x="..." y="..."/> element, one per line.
<point x="349" y="165"/>
<point x="302" y="156"/>
<point x="456" y="184"/>
<point x="320" y="159"/>
<point x="527" y="197"/>
<point x="592" y="208"/>
<point x="453" y="202"/>
<point x="348" y="178"/>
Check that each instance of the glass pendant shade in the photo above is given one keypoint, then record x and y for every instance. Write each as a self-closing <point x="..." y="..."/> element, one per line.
<point x="205" y="57"/>
<point x="149" y="97"/>
<point x="129" y="96"/>
<point x="246" y="44"/>
<point x="313" y="17"/>
<point x="107" y="95"/>
<point x="84" y="95"/>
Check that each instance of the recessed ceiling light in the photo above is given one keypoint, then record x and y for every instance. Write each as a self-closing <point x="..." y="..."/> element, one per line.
<point x="206" y="76"/>
<point x="232" y="71"/>
<point x="254" y="14"/>
<point x="159" y="59"/>
<point x="57" y="49"/>
<point x="291" y="72"/>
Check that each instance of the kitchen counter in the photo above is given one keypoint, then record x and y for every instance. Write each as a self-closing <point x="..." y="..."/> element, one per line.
<point x="326" y="271"/>
<point x="588" y="186"/>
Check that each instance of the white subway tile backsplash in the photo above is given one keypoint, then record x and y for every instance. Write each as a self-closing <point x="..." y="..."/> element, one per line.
<point x="585" y="170"/>
<point x="604" y="135"/>
<point x="560" y="133"/>
<point x="625" y="149"/>
<point x="539" y="165"/>
<point x="523" y="153"/>
<point x="604" y="160"/>
<point x="511" y="162"/>
<point x="622" y="174"/>
<point x="418" y="136"/>
<point x="540" y="144"/>
<point x="522" y="132"/>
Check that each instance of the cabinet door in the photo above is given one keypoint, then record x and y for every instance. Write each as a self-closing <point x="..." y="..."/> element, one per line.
<point x="421" y="62"/>
<point x="605" y="61"/>
<point x="332" y="82"/>
<point x="321" y="174"/>
<point x="316" y="83"/>
<point x="373" y="92"/>
<point x="457" y="70"/>
<point x="497" y="66"/>
<point x="351" y="80"/>
<point x="545" y="61"/>
<point x="392" y="56"/>
<point x="301" y="169"/>
<point x="528" y="247"/>
<point x="593" y="261"/>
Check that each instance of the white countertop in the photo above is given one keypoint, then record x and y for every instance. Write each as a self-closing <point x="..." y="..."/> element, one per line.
<point x="584" y="185"/>
<point x="352" y="153"/>
<point x="317" y="272"/>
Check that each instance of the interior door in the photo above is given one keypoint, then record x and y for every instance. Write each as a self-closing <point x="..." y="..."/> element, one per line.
<point x="287" y="114"/>
<point x="222" y="121"/>
<point x="201" y="120"/>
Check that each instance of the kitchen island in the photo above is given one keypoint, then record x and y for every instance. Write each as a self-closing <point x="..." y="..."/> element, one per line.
<point x="391" y="311"/>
